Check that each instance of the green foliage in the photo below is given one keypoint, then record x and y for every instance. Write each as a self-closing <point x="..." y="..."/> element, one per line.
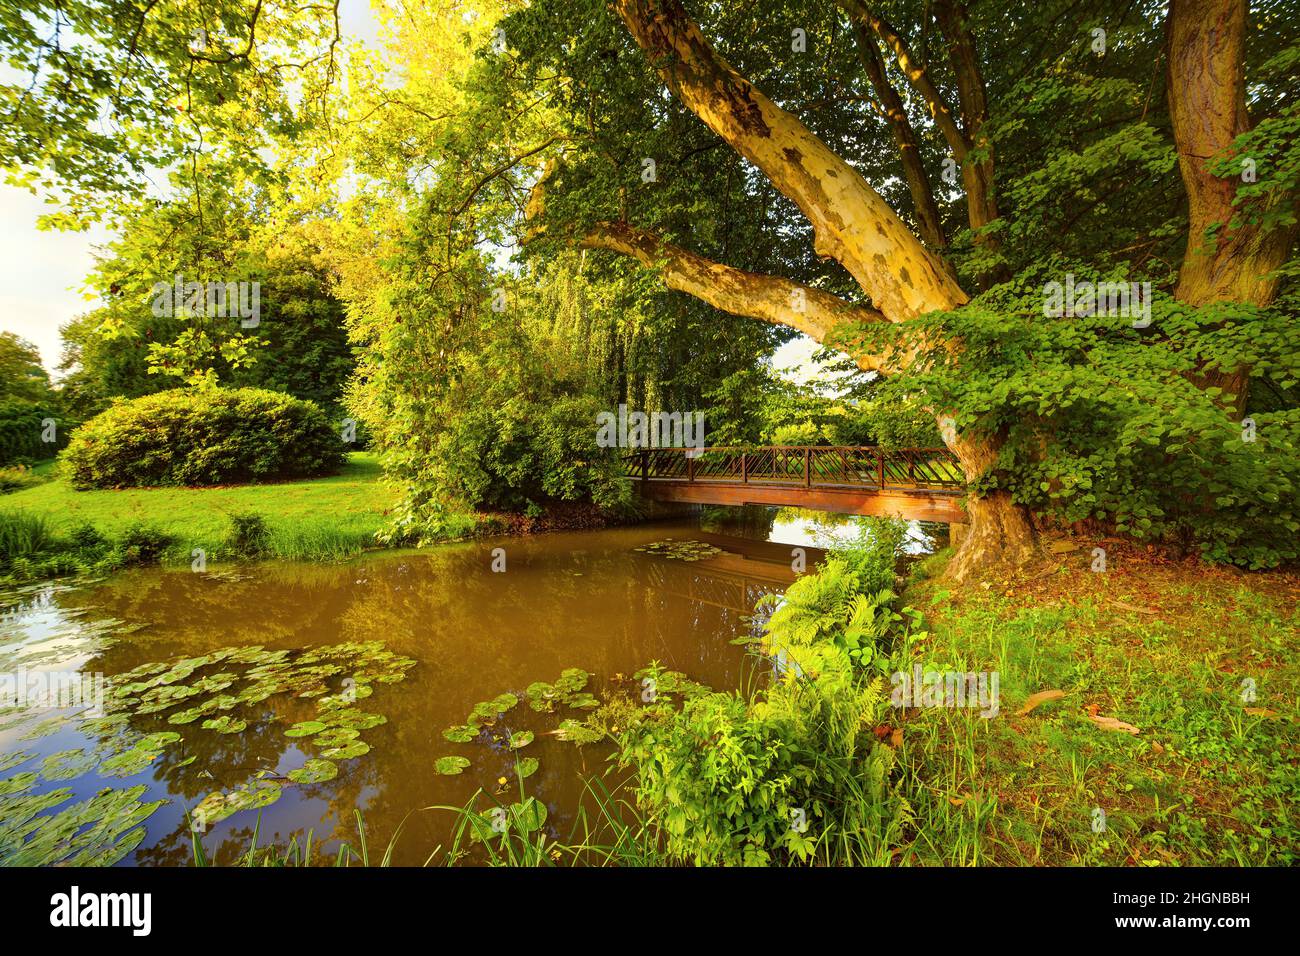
<point x="488" y="410"/>
<point x="22" y="536"/>
<point x="792" y="773"/>
<point x="23" y="427"/>
<point x="22" y="377"/>
<point x="248" y="534"/>
<point x="128" y="347"/>
<point x="207" y="437"/>
<point x="1105" y="422"/>
<point x="17" y="477"/>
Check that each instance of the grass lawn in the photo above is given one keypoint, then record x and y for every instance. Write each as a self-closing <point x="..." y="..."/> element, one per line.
<point x="313" y="518"/>
<point x="1201" y="660"/>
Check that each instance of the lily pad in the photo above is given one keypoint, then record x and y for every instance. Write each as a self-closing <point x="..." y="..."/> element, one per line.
<point x="354" y="749"/>
<point x="67" y="764"/>
<point x="18" y="783"/>
<point x="450" y="766"/>
<point x="315" y="771"/>
<point x="305" y="728"/>
<point x="10" y="760"/>
<point x="225" y="724"/>
<point x="521" y="739"/>
<point x="460" y="734"/>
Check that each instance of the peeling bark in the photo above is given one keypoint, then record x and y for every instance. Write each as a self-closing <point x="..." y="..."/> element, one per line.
<point x="851" y="222"/>
<point x="928" y="221"/>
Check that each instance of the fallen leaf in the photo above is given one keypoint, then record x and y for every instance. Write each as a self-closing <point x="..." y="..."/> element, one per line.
<point x="1157" y="747"/>
<point x="1262" y="712"/>
<point x="1131" y="607"/>
<point x="1040" y="698"/>
<point x="896" y="738"/>
<point x="1110" y="723"/>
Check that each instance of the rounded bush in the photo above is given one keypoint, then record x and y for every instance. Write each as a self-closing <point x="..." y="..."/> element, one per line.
<point x="203" y="437"/>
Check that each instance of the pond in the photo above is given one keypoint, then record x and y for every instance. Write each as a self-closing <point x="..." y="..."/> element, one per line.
<point x="301" y="692"/>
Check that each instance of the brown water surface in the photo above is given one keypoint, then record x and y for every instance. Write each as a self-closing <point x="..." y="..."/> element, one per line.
<point x="586" y="600"/>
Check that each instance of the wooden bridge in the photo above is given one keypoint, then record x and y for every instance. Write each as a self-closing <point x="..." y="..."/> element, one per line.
<point x="924" y="484"/>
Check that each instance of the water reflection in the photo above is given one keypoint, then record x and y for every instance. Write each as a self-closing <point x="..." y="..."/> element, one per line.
<point x="585" y="600"/>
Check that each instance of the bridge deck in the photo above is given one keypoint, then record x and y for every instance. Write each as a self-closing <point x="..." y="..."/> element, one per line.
<point x="917" y="483"/>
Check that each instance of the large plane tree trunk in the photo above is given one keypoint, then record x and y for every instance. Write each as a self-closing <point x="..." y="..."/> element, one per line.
<point x="1207" y="107"/>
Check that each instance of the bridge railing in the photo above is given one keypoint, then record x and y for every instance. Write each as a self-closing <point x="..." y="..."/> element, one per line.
<point x="856" y="466"/>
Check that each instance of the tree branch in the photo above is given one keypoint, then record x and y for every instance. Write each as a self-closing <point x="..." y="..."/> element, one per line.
<point x="891" y="105"/>
<point x="772" y="299"/>
<point x="851" y="222"/>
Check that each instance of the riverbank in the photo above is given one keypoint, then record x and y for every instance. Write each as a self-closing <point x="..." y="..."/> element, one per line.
<point x="47" y="528"/>
<point x="1148" y="716"/>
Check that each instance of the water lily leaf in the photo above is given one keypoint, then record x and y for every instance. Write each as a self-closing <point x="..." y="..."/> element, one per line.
<point x="450" y="766"/>
<point x="108" y="724"/>
<point x="68" y="764"/>
<point x="100" y="831"/>
<point x="305" y="728"/>
<point x="10" y="760"/>
<point x="225" y="724"/>
<point x="18" y="783"/>
<point x="521" y="739"/>
<point x="460" y="733"/>
<point x="528" y="816"/>
<point x="314" y="771"/>
<point x="353" y="719"/>
<point x="217" y="806"/>
<point x="45" y="728"/>
<point x="354" y="749"/>
<point x="526" y="767"/>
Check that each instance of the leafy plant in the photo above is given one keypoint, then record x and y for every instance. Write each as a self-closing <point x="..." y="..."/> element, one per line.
<point x="192" y="437"/>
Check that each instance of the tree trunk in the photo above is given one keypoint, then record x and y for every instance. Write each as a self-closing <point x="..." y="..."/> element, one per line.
<point x="1000" y="531"/>
<point x="851" y="224"/>
<point x="1207" y="108"/>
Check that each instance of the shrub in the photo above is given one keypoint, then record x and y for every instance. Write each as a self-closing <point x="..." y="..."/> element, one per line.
<point x="86" y="537"/>
<point x="793" y="772"/>
<point x="23" y="428"/>
<point x="16" y="478"/>
<point x="203" y="437"/>
<point x="248" y="534"/>
<point x="143" y="545"/>
<point x="22" y="536"/>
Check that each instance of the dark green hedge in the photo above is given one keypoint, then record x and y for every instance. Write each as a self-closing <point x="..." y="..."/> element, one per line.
<point x="203" y="437"/>
<point x="22" y="428"/>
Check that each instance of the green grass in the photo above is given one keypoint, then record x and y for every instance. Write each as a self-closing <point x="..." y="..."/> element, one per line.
<point x="312" y="519"/>
<point x="1210" y="779"/>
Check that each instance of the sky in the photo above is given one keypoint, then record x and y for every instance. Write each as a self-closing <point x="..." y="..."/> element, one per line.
<point x="42" y="273"/>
